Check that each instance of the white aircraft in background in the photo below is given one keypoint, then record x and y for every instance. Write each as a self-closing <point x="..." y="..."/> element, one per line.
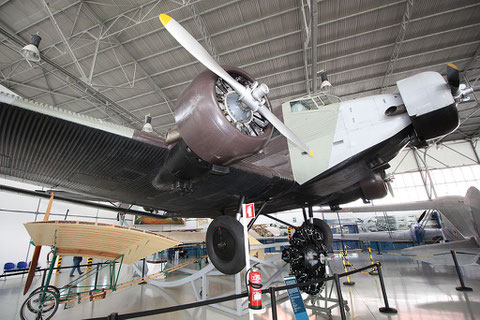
<point x="463" y="213"/>
<point x="417" y="233"/>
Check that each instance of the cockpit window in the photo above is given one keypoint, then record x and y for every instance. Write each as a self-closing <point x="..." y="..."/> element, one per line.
<point x="303" y="105"/>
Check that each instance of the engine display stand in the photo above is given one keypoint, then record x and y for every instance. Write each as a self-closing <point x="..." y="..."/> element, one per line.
<point x="324" y="302"/>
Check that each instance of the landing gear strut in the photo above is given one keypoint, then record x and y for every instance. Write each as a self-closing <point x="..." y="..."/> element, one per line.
<point x="306" y="254"/>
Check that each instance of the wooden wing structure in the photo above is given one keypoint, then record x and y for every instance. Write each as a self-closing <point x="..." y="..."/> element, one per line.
<point x="98" y="240"/>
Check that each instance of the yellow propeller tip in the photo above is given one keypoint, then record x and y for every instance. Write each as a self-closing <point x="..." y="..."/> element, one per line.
<point x="164" y="18"/>
<point x="453" y="66"/>
<point x="310" y="152"/>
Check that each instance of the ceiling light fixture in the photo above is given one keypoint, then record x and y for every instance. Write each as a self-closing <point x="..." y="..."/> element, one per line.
<point x="30" y="52"/>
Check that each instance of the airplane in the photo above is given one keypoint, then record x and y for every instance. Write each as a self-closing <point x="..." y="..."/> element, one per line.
<point x="204" y="167"/>
<point x="417" y="233"/>
<point x="463" y="213"/>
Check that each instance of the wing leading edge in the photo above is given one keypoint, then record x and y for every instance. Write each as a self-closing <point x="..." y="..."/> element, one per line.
<point x="64" y="150"/>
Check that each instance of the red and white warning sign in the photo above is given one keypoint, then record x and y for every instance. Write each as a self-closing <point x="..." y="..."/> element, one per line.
<point x="249" y="210"/>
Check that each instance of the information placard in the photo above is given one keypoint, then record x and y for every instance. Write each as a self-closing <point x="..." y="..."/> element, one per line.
<point x="296" y="299"/>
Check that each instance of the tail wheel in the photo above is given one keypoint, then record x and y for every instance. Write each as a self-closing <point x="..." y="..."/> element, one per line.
<point x="308" y="248"/>
<point x="225" y="245"/>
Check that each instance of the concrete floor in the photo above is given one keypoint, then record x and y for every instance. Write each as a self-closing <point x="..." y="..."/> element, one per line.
<point x="417" y="290"/>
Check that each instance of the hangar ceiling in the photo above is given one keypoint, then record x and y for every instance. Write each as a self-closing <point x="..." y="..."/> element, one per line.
<point x="113" y="59"/>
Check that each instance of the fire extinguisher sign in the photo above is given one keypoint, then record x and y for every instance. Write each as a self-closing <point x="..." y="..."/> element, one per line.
<point x="249" y="210"/>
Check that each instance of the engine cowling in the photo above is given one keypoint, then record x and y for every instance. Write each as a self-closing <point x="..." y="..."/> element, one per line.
<point x="373" y="187"/>
<point x="430" y="104"/>
<point x="215" y="124"/>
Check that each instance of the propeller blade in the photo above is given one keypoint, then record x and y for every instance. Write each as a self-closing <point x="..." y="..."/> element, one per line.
<point x="422" y="216"/>
<point x="36" y="253"/>
<point x="453" y="78"/>
<point x="390" y="189"/>
<point x="198" y="52"/>
<point x="195" y="49"/>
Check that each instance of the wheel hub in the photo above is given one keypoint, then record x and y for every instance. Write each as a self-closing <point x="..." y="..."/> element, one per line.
<point x="224" y="244"/>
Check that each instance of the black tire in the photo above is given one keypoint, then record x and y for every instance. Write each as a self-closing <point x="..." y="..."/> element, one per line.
<point x="326" y="230"/>
<point x="225" y="246"/>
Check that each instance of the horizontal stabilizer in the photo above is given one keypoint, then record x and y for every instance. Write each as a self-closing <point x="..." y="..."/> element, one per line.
<point x="468" y="252"/>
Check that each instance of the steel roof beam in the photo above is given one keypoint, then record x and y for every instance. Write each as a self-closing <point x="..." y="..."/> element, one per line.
<point x="148" y="78"/>
<point x="281" y="36"/>
<point x="64" y="41"/>
<point x="313" y="38"/>
<point x="398" y="43"/>
<point x="239" y="26"/>
<point x="326" y="60"/>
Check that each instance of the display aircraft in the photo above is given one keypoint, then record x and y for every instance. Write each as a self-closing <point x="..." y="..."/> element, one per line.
<point x="461" y="212"/>
<point x="219" y="153"/>
<point x="417" y="233"/>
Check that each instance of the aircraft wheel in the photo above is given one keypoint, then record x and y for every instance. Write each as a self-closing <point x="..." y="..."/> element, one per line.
<point x="326" y="231"/>
<point x="36" y="308"/>
<point x="225" y="245"/>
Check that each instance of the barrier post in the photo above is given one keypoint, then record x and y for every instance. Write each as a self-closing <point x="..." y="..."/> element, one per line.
<point x="289" y="232"/>
<point x="273" y="302"/>
<point x="348" y="282"/>
<point x="339" y="296"/>
<point x="143" y="273"/>
<point x="59" y="264"/>
<point x="374" y="271"/>
<point x="346" y="257"/>
<point x="387" y="308"/>
<point x="459" y="273"/>
<point x="89" y="263"/>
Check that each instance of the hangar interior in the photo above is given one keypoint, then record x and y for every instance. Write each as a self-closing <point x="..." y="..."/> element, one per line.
<point x="113" y="60"/>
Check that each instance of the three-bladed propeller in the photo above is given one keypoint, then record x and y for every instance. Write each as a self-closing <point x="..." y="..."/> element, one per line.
<point x="252" y="96"/>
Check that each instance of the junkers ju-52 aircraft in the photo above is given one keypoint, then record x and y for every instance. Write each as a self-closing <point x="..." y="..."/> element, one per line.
<point x="336" y="153"/>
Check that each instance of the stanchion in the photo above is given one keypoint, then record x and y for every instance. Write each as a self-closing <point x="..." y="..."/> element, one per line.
<point x="143" y="273"/>
<point x="59" y="264"/>
<point x="273" y="302"/>
<point x="339" y="296"/>
<point x="374" y="270"/>
<point x="347" y="260"/>
<point x="289" y="233"/>
<point x="348" y="282"/>
<point x="89" y="263"/>
<point x="459" y="273"/>
<point x="387" y="308"/>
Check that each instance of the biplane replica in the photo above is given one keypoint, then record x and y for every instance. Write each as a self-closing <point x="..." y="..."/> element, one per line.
<point x="113" y="243"/>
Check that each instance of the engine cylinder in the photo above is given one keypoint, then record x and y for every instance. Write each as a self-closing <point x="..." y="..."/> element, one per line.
<point x="215" y="124"/>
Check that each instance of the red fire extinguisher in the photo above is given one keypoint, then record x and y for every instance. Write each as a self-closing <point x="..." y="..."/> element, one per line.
<point x="255" y="289"/>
